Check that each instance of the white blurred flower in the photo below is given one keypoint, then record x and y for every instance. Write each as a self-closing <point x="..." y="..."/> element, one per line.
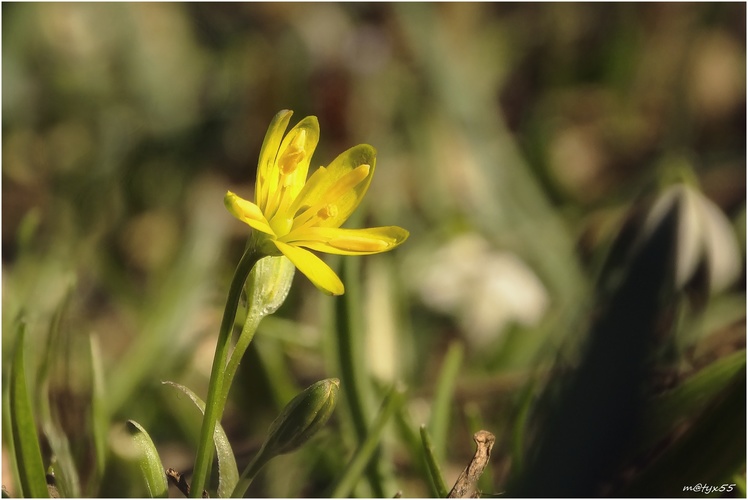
<point x="486" y="290"/>
<point x="705" y="236"/>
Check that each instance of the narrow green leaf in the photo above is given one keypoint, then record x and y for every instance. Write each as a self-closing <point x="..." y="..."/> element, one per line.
<point x="520" y="426"/>
<point x="9" y="448"/>
<point x="442" y="407"/>
<point x="690" y="397"/>
<point x="356" y="385"/>
<point x="352" y="473"/>
<point x="148" y="461"/>
<point x="437" y="479"/>
<point x="411" y="440"/>
<point x="711" y="452"/>
<point x="228" y="472"/>
<point x="28" y="454"/>
<point x="67" y="480"/>
<point x="99" y="415"/>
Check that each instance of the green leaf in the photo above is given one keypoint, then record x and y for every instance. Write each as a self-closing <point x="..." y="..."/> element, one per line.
<point x="66" y="475"/>
<point x="439" y="487"/>
<point x="26" y="442"/>
<point x="355" y="382"/>
<point x="355" y="468"/>
<point x="442" y="408"/>
<point x="148" y="461"/>
<point x="686" y="400"/>
<point x="228" y="472"/>
<point x="99" y="415"/>
<point x="711" y="452"/>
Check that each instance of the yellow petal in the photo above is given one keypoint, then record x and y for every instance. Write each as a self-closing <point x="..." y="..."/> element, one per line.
<point x="299" y="143"/>
<point x="313" y="268"/>
<point x="268" y="154"/>
<point x="349" y="241"/>
<point x="320" y="188"/>
<point x="247" y="212"/>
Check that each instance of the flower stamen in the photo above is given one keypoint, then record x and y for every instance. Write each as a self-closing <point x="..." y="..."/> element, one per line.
<point x="293" y="154"/>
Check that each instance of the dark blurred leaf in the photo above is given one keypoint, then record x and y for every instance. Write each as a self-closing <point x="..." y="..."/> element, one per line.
<point x="593" y="417"/>
<point x="689" y="398"/>
<point x="711" y="452"/>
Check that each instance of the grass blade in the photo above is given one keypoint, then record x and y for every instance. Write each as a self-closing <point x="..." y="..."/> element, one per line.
<point x="63" y="464"/>
<point x="99" y="415"/>
<point x="442" y="407"/>
<point x="437" y="479"/>
<point x="678" y="404"/>
<point x="352" y="473"/>
<point x="352" y="364"/>
<point x="26" y="442"/>
<point x="711" y="452"/>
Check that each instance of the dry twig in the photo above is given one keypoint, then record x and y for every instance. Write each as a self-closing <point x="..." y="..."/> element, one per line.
<point x="467" y="484"/>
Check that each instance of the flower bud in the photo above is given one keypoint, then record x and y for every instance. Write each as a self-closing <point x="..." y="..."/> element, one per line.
<point x="302" y="418"/>
<point x="268" y="284"/>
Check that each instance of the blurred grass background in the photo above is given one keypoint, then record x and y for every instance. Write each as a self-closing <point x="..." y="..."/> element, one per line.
<point x="511" y="139"/>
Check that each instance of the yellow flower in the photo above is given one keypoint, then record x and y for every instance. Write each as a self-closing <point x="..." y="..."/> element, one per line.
<point x="293" y="214"/>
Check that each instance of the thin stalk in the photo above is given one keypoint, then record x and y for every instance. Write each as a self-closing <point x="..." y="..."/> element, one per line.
<point x="257" y="463"/>
<point x="216" y="400"/>
<point x="248" y="333"/>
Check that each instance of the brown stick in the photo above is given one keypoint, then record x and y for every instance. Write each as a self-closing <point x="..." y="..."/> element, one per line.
<point x="467" y="484"/>
<point x="180" y="481"/>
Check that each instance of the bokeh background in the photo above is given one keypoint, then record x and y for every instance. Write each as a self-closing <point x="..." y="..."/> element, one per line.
<point x="511" y="140"/>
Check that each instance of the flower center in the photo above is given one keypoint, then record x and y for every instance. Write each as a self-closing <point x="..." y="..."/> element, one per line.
<point x="281" y="225"/>
<point x="327" y="207"/>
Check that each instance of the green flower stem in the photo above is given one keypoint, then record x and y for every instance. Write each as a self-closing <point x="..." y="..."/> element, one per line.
<point x="248" y="475"/>
<point x="216" y="399"/>
<point x="248" y="333"/>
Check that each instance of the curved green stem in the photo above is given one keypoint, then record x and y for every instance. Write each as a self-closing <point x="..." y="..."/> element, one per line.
<point x="248" y="333"/>
<point x="257" y="463"/>
<point x="216" y="400"/>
